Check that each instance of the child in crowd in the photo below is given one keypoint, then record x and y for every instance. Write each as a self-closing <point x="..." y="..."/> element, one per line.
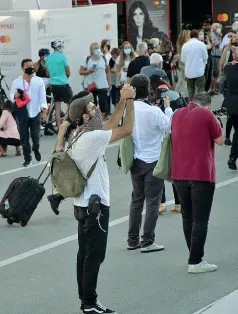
<point x="115" y="92"/>
<point x="9" y="134"/>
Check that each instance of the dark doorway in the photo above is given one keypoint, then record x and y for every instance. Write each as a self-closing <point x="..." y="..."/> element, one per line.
<point x="194" y="13"/>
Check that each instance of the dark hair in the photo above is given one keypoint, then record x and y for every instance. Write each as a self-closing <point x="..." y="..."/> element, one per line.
<point x="142" y="6"/>
<point x="79" y="95"/>
<point x="8" y="105"/>
<point x="141" y="84"/>
<point x="25" y="61"/>
<point x="156" y="81"/>
<point x="103" y="44"/>
<point x="115" y="51"/>
<point x="231" y="31"/>
<point x="202" y="99"/>
<point x="194" y="33"/>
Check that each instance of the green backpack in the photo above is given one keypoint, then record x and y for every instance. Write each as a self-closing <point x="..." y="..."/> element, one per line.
<point x="65" y="175"/>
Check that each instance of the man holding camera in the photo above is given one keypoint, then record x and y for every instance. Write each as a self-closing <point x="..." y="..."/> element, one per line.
<point x="149" y="129"/>
<point x="29" y="116"/>
<point x="195" y="130"/>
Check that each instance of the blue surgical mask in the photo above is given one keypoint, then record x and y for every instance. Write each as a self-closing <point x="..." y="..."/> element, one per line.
<point x="127" y="51"/>
<point x="97" y="52"/>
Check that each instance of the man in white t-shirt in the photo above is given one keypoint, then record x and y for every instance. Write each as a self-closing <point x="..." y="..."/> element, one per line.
<point x="92" y="207"/>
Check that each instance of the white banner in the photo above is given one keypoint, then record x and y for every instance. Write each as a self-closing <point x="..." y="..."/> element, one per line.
<point x="14" y="43"/>
<point x="23" y="33"/>
<point x="78" y="27"/>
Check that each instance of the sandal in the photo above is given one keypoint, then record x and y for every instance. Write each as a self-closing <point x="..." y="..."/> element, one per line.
<point x="162" y="208"/>
<point x="176" y="209"/>
<point x="3" y="155"/>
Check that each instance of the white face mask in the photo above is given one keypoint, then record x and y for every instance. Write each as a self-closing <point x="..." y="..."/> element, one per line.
<point x="201" y="37"/>
<point x="218" y="30"/>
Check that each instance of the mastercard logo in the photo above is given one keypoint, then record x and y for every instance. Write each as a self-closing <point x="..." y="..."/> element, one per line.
<point x="5" y="39"/>
<point x="222" y="17"/>
<point x="108" y="27"/>
<point x="156" y="3"/>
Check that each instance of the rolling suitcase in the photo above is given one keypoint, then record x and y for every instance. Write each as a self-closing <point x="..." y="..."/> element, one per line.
<point x="22" y="198"/>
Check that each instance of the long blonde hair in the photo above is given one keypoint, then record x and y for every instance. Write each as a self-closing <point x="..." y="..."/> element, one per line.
<point x="184" y="37"/>
<point x="123" y="56"/>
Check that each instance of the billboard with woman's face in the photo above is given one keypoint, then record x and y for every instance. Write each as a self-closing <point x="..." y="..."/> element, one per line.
<point x="147" y="19"/>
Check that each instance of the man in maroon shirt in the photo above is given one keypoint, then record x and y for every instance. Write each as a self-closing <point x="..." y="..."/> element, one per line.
<point x="195" y="130"/>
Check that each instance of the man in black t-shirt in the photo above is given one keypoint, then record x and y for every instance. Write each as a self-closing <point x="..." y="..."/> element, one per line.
<point x="139" y="62"/>
<point x="66" y="130"/>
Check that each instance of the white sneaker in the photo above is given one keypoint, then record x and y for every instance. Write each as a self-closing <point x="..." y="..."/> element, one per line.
<point x="152" y="248"/>
<point x="202" y="267"/>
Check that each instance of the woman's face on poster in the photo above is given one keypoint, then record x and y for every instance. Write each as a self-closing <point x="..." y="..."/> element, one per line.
<point x="139" y="17"/>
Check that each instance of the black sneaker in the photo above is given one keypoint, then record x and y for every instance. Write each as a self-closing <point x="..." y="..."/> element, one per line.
<point x="97" y="309"/>
<point x="48" y="132"/>
<point x="27" y="164"/>
<point x="228" y="142"/>
<point x="55" y="202"/>
<point x="132" y="247"/>
<point x="232" y="164"/>
<point x="37" y="155"/>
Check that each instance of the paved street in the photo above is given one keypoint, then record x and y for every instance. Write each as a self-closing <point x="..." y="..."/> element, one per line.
<point x="37" y="263"/>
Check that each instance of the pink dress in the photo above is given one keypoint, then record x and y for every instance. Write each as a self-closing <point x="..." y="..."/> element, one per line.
<point x="8" y="123"/>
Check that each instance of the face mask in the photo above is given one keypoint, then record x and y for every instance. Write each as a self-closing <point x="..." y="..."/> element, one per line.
<point x="218" y="30"/>
<point x="201" y="37"/>
<point x="97" y="52"/>
<point x="29" y="70"/>
<point x="95" y="123"/>
<point x="108" y="47"/>
<point x="127" y="51"/>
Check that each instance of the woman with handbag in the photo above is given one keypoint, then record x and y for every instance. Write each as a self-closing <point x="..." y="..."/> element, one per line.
<point x="9" y="134"/>
<point x="97" y="77"/>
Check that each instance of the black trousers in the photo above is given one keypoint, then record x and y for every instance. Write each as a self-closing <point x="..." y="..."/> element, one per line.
<point x="228" y="127"/>
<point x="196" y="199"/>
<point x="115" y="95"/>
<point x="92" y="242"/>
<point x="100" y="96"/>
<point x="234" y="147"/>
<point x="147" y="188"/>
<point x="176" y="198"/>
<point x="208" y="73"/>
<point x="29" y="127"/>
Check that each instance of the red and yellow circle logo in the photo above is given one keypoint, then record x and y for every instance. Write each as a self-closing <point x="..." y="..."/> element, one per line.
<point x="156" y="2"/>
<point x="222" y="17"/>
<point x="5" y="39"/>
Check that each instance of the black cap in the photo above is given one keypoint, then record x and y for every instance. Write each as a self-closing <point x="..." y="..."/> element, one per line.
<point x="140" y="81"/>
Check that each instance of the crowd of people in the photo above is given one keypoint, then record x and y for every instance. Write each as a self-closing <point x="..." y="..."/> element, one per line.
<point x="155" y="90"/>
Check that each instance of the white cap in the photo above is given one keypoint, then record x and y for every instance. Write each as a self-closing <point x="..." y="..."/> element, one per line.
<point x="156" y="58"/>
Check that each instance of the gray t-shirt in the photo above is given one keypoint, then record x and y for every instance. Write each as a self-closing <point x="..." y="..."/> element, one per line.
<point x="99" y="76"/>
<point x="154" y="70"/>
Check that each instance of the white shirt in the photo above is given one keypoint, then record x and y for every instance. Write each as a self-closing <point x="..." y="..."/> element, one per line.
<point x="123" y="76"/>
<point x="194" y="55"/>
<point x="35" y="90"/>
<point x="149" y="130"/>
<point x="88" y="149"/>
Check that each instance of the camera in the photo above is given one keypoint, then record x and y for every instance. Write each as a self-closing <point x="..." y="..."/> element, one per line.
<point x="158" y="98"/>
<point x="219" y="113"/>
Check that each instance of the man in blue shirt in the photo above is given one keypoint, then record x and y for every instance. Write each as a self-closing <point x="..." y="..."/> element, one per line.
<point x="59" y="72"/>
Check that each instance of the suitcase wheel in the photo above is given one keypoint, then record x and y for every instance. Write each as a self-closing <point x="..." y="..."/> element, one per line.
<point x="9" y="221"/>
<point x="23" y="223"/>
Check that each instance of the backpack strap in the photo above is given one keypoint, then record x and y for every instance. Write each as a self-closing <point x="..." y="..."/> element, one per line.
<point x="70" y="146"/>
